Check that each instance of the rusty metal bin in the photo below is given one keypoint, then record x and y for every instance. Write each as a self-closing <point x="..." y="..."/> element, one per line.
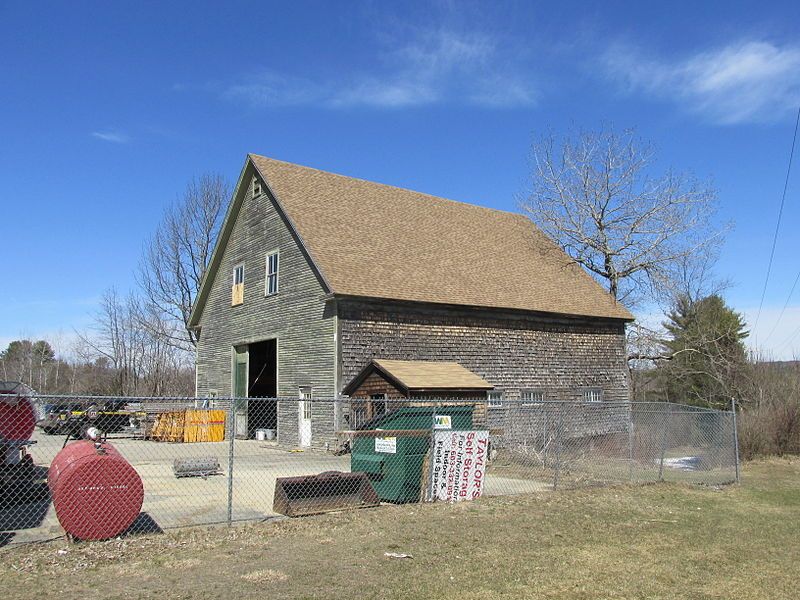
<point x="328" y="491"/>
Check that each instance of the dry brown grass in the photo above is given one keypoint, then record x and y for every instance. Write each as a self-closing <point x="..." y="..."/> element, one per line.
<point x="264" y="576"/>
<point x="772" y="429"/>
<point x="656" y="541"/>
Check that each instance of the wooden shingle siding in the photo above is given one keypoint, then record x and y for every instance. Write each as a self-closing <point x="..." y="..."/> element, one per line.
<point x="529" y="424"/>
<point x="375" y="383"/>
<point x="297" y="315"/>
<point x="511" y="351"/>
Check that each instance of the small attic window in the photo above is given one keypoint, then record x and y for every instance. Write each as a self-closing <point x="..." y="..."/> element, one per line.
<point x="256" y="186"/>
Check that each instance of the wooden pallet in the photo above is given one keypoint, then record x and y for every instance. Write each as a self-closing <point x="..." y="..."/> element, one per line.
<point x="191" y="425"/>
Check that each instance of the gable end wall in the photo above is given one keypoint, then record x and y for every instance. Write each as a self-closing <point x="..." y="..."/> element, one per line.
<point x="297" y="316"/>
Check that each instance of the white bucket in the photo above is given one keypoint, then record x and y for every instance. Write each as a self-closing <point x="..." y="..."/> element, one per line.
<point x="261" y="435"/>
<point x="270" y="434"/>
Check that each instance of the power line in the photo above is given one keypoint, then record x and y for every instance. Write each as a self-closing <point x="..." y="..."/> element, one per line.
<point x="780" y="215"/>
<point x="783" y="310"/>
<point x="789" y="340"/>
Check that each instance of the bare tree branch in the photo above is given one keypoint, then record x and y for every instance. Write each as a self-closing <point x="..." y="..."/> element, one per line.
<point x="176" y="257"/>
<point x="595" y="196"/>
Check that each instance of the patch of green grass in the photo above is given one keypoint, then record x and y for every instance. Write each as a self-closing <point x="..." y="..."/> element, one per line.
<point x="653" y="541"/>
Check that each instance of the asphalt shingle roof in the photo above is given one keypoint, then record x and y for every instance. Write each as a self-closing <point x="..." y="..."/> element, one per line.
<point x="375" y="240"/>
<point x="428" y="375"/>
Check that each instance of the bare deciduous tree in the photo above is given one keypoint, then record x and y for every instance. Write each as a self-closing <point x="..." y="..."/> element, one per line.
<point x="177" y="255"/>
<point x="638" y="234"/>
<point x="142" y="362"/>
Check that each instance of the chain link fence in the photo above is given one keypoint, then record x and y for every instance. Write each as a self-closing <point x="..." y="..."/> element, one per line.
<point x="101" y="467"/>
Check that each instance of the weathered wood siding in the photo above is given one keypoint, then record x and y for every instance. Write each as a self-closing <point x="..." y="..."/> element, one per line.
<point x="514" y="352"/>
<point x="297" y="316"/>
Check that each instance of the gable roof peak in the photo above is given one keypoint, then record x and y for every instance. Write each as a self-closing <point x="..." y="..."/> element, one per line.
<point x="259" y="159"/>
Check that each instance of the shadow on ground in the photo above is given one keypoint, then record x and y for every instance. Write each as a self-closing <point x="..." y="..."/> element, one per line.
<point x="23" y="504"/>
<point x="143" y="524"/>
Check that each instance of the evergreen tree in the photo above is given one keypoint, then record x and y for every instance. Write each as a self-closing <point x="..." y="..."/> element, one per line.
<point x="707" y="352"/>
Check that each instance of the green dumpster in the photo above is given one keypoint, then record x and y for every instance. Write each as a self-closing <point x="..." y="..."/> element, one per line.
<point x="393" y="463"/>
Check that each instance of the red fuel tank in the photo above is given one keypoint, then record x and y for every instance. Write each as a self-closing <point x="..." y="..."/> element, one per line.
<point x="17" y="413"/>
<point x="97" y="494"/>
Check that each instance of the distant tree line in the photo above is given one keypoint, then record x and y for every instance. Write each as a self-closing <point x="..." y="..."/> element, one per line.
<point x="82" y="371"/>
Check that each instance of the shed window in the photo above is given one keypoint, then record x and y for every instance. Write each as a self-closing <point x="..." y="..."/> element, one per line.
<point x="531" y="397"/>
<point x="379" y="404"/>
<point x="256" y="186"/>
<point x="495" y="398"/>
<point x="593" y="395"/>
<point x="271" y="284"/>
<point x="237" y="289"/>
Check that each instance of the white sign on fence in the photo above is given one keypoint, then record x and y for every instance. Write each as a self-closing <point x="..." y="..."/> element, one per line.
<point x="387" y="445"/>
<point x="458" y="471"/>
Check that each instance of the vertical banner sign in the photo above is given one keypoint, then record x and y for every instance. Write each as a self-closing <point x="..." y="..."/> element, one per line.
<point x="459" y="465"/>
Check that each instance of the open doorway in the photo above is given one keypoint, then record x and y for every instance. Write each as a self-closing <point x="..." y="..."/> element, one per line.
<point x="262" y="388"/>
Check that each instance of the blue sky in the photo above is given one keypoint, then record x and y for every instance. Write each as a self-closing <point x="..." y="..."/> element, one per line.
<point x="108" y="109"/>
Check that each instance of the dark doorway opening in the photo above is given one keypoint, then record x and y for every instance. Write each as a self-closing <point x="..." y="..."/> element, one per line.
<point x="262" y="384"/>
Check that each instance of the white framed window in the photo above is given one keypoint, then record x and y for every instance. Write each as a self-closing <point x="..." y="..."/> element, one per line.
<point x="237" y="288"/>
<point x="494" y="398"/>
<point x="256" y="186"/>
<point x="593" y="395"/>
<point x="238" y="274"/>
<point x="271" y="277"/>
<point x="306" y="396"/>
<point x="531" y="397"/>
<point x="379" y="404"/>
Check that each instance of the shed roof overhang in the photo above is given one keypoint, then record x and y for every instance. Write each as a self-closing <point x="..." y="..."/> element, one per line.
<point x="421" y="376"/>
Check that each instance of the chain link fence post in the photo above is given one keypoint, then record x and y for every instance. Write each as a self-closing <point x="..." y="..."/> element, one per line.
<point x="735" y="439"/>
<point x="545" y="435"/>
<point x="630" y="442"/>
<point x="232" y="435"/>
<point x="665" y="426"/>
<point x="559" y="441"/>
<point x="430" y="493"/>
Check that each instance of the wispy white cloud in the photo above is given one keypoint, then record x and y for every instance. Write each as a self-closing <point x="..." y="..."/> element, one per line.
<point x="115" y="137"/>
<point x="268" y="88"/>
<point x="741" y="82"/>
<point x="434" y="66"/>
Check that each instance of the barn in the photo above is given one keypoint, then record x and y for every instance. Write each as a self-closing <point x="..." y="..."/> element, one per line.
<point x="319" y="282"/>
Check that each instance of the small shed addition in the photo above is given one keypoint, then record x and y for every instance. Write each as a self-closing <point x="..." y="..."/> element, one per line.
<point x="383" y="381"/>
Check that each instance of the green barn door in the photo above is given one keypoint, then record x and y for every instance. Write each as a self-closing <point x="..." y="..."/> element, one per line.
<point x="240" y="390"/>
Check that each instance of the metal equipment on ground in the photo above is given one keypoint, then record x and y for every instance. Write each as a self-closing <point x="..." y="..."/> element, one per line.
<point x="96" y="493"/>
<point x="17" y="423"/>
<point x="202" y="466"/>
<point x="329" y="491"/>
<point x="74" y="418"/>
